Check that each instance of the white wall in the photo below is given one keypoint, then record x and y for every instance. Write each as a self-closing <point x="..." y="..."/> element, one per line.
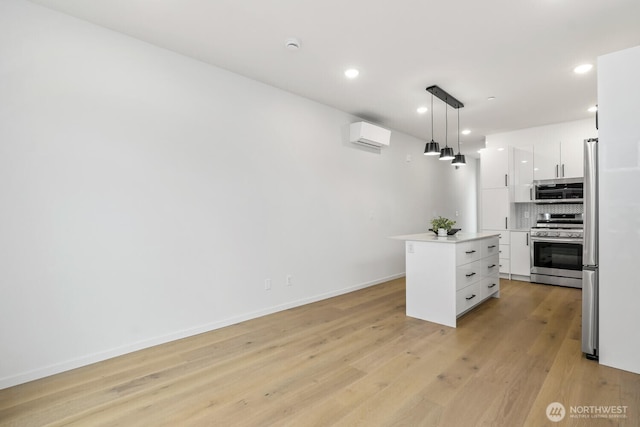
<point x="147" y="196"/>
<point x="619" y="149"/>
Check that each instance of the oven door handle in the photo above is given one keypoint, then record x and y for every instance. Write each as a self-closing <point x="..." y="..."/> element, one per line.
<point x="555" y="240"/>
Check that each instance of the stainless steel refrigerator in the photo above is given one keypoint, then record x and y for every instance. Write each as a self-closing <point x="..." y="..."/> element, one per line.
<point x="590" y="252"/>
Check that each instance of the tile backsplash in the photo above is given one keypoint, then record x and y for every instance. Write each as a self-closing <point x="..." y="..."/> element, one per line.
<point x="534" y="209"/>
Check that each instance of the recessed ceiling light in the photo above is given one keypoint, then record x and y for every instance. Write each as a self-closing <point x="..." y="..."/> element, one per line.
<point x="466" y="132"/>
<point x="500" y="149"/>
<point x="491" y="98"/>
<point x="592" y="109"/>
<point x="422" y="110"/>
<point x="584" y="68"/>
<point x="351" y="73"/>
<point x="523" y="161"/>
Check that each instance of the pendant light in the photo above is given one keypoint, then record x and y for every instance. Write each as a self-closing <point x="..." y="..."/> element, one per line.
<point x="459" y="159"/>
<point x="432" y="148"/>
<point x="447" y="152"/>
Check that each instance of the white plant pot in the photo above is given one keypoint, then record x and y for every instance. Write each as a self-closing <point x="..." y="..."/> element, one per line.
<point x="442" y="232"/>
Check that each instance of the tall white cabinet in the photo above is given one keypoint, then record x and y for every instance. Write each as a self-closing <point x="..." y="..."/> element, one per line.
<point x="494" y="179"/>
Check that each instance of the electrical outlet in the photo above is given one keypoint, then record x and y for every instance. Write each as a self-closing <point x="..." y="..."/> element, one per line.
<point x="267" y="284"/>
<point x="289" y="280"/>
<point x="526" y="214"/>
<point x="410" y="247"/>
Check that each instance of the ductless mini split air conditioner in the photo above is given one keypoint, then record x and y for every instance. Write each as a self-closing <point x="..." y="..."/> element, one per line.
<point x="364" y="133"/>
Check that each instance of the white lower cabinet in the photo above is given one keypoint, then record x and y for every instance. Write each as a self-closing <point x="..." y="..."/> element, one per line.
<point x="520" y="253"/>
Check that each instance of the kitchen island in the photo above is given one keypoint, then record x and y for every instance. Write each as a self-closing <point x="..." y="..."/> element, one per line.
<point x="448" y="276"/>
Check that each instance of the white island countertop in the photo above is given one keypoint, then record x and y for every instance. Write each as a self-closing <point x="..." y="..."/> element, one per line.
<point x="456" y="238"/>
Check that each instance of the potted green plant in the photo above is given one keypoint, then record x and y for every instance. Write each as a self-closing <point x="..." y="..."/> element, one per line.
<point x="442" y="225"/>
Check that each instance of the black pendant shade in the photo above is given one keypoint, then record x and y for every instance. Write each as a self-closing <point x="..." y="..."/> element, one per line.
<point x="432" y="148"/>
<point x="459" y="160"/>
<point x="446" y="153"/>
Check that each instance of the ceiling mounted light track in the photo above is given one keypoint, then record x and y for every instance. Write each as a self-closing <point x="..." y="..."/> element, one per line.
<point x="444" y="96"/>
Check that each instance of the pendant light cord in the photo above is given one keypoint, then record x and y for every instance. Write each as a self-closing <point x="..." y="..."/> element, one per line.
<point x="458" y="130"/>
<point x="432" y="116"/>
<point x="446" y="124"/>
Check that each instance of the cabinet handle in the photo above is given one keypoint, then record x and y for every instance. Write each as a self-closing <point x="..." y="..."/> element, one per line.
<point x="527" y="239"/>
<point x="491" y="285"/>
<point x="557" y="171"/>
<point x="470" y="252"/>
<point x="491" y="247"/>
<point x="491" y="266"/>
<point x="505" y="180"/>
<point x="505" y="223"/>
<point x="470" y="274"/>
<point x="530" y="193"/>
<point x="563" y="170"/>
<point x="471" y="297"/>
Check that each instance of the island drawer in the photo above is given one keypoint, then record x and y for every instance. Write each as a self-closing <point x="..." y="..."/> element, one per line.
<point x="491" y="266"/>
<point x="468" y="297"/>
<point x="490" y="247"/>
<point x="469" y="273"/>
<point x="489" y="285"/>
<point x="467" y="252"/>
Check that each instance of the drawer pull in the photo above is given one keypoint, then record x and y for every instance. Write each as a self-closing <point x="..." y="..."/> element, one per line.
<point x="471" y="297"/>
<point x="470" y="274"/>
<point x="470" y="252"/>
<point x="491" y="247"/>
<point x="491" y="266"/>
<point x="491" y="285"/>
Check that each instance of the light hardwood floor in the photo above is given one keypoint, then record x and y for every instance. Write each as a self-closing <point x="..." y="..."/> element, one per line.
<point x="351" y="360"/>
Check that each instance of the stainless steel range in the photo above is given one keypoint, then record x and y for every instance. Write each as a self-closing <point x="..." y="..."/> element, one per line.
<point x="556" y="250"/>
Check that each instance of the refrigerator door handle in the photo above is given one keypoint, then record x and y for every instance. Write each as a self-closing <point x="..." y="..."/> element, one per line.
<point x="590" y="246"/>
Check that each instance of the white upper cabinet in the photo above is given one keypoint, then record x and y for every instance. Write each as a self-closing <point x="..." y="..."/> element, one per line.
<point x="494" y="169"/>
<point x="572" y="156"/>
<point x="559" y="159"/>
<point x="546" y="160"/>
<point x="522" y="174"/>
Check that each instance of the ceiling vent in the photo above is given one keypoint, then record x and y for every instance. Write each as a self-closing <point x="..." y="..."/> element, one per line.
<point x="364" y="133"/>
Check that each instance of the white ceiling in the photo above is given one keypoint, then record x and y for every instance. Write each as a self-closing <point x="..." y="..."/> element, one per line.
<point x="520" y="51"/>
